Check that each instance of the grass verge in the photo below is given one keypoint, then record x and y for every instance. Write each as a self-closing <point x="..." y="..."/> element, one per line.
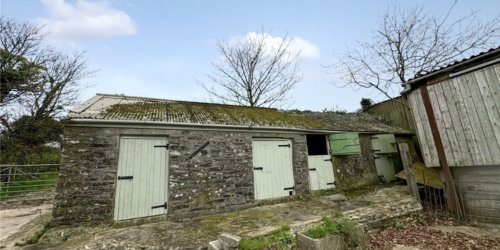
<point x="280" y="239"/>
<point x="338" y="225"/>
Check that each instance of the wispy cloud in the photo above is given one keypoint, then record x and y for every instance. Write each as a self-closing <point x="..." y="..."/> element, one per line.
<point x="297" y="44"/>
<point x="69" y="22"/>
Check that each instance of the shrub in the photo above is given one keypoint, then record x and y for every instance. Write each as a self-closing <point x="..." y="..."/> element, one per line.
<point x="338" y="225"/>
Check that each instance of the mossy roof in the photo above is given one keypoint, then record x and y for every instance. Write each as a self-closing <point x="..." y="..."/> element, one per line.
<point x="133" y="109"/>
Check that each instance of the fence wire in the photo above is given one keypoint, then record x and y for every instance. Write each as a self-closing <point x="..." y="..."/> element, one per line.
<point x="473" y="203"/>
<point x="28" y="182"/>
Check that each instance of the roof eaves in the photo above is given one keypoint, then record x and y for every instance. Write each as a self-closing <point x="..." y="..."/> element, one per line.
<point x="486" y="55"/>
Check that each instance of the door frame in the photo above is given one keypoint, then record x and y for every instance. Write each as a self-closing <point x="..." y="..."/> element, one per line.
<point x="167" y="171"/>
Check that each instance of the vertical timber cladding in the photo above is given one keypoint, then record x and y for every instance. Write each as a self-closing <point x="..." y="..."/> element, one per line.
<point x="272" y="168"/>
<point x="142" y="187"/>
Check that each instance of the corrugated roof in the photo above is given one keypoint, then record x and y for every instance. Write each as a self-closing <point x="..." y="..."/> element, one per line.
<point x="128" y="108"/>
<point x="455" y="63"/>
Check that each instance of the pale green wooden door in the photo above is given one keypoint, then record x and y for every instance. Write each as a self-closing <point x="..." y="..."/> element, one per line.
<point x="273" y="168"/>
<point x="321" y="174"/>
<point x="384" y="145"/>
<point x="385" y="167"/>
<point x="142" y="187"/>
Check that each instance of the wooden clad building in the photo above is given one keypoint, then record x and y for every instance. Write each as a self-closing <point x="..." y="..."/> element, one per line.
<point x="457" y="116"/>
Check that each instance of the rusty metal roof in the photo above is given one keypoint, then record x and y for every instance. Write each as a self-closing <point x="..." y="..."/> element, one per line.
<point x="491" y="51"/>
<point x="122" y="108"/>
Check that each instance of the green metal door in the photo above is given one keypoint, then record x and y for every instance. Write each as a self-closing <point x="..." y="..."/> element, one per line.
<point x="142" y="187"/>
<point x="320" y="172"/>
<point x="272" y="168"/>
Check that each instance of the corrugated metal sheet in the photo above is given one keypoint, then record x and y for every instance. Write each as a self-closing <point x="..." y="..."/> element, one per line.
<point x="456" y="62"/>
<point x="127" y="108"/>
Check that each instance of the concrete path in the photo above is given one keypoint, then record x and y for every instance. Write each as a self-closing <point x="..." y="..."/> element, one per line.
<point x="13" y="220"/>
<point x="195" y="233"/>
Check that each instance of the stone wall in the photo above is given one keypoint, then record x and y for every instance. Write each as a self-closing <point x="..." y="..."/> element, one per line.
<point x="352" y="171"/>
<point x="219" y="178"/>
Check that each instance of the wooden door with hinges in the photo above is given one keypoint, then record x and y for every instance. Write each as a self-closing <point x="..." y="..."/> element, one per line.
<point x="141" y="185"/>
<point x="321" y="174"/>
<point x="272" y="168"/>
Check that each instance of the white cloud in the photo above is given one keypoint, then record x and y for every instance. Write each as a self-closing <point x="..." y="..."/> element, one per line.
<point x="297" y="44"/>
<point x="84" y="19"/>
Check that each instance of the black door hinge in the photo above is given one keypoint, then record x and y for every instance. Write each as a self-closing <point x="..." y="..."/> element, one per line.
<point x="289" y="188"/>
<point x="258" y="168"/>
<point x="312" y="169"/>
<point x="160" y="206"/>
<point x="163" y="146"/>
<point x="328" y="159"/>
<point x="284" y="145"/>
<point x="125" y="177"/>
<point x="330" y="183"/>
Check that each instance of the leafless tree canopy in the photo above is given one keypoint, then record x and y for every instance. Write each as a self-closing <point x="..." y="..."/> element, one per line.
<point x="411" y="42"/>
<point x="254" y="72"/>
<point x="35" y="79"/>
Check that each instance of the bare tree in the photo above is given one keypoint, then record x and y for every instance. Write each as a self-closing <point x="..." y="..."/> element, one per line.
<point x="257" y="70"/>
<point x="411" y="42"/>
<point x="36" y="80"/>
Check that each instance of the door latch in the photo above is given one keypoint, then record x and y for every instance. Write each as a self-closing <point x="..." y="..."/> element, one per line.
<point x="160" y="206"/>
<point x="125" y="177"/>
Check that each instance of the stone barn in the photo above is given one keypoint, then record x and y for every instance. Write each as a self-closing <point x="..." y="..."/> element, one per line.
<point x="131" y="157"/>
<point x="457" y="114"/>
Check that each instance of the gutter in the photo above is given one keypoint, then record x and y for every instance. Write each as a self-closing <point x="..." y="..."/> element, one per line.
<point x="175" y="125"/>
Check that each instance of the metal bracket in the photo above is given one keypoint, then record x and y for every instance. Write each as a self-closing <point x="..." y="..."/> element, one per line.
<point x="125" y="177"/>
<point x="328" y="159"/>
<point x="312" y="169"/>
<point x="166" y="146"/>
<point x="258" y="168"/>
<point x="197" y="151"/>
<point x="289" y="188"/>
<point x="284" y="145"/>
<point x="160" y="206"/>
<point x="330" y="183"/>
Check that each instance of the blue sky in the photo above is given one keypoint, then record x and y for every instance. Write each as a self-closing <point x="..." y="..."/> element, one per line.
<point x="162" y="48"/>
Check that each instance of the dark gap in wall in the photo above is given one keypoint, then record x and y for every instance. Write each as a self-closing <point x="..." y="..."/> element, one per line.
<point x="316" y="145"/>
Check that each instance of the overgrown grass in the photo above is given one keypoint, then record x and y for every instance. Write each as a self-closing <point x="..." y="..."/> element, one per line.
<point x="35" y="238"/>
<point x="338" y="225"/>
<point x="281" y="239"/>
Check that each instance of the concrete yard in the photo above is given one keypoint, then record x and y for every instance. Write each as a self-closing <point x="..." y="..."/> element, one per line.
<point x="374" y="205"/>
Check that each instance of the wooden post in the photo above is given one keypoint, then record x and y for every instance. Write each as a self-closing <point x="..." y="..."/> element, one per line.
<point x="408" y="167"/>
<point x="450" y="184"/>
